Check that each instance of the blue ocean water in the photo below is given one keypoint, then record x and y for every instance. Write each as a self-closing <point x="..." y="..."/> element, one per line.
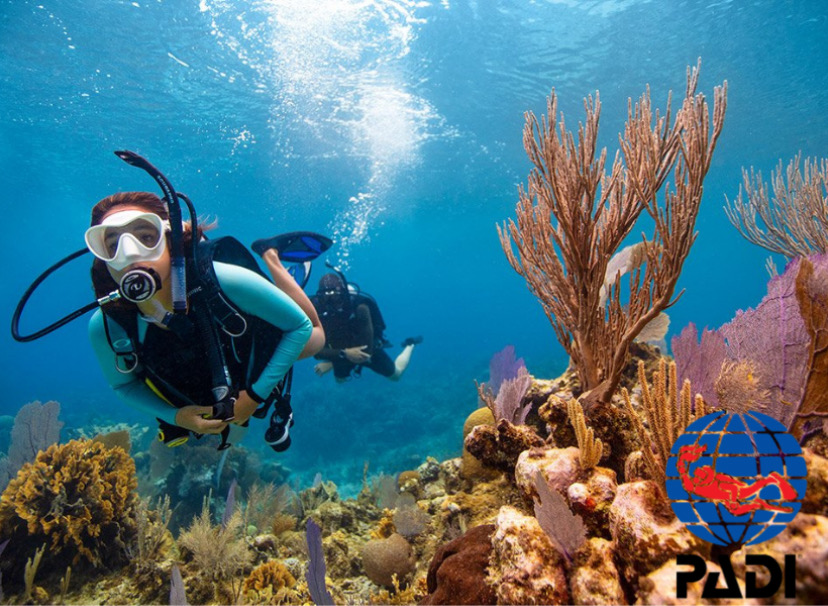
<point x="395" y="126"/>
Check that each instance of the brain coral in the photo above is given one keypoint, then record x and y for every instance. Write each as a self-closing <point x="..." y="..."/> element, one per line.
<point x="78" y="498"/>
<point x="384" y="558"/>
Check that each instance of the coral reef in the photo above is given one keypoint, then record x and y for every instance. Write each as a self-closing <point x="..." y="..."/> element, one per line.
<point x="448" y="538"/>
<point x="559" y="495"/>
<point x="500" y="446"/>
<point x="77" y="498"/>
<point x="645" y="531"/>
<point x="526" y="567"/>
<point x="472" y="467"/>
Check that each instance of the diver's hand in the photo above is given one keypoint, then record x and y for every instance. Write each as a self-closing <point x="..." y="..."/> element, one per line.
<point x="245" y="406"/>
<point x="322" y="368"/>
<point x="357" y="355"/>
<point x="193" y="418"/>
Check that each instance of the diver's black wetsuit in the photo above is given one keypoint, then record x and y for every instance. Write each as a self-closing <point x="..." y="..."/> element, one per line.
<point x="344" y="330"/>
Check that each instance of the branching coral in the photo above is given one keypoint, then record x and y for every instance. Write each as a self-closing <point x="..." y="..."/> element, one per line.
<point x="266" y="504"/>
<point x="219" y="551"/>
<point x="152" y="533"/>
<point x="573" y="218"/>
<point x="80" y="498"/>
<point x="589" y="446"/>
<point x="795" y="221"/>
<point x="668" y="411"/>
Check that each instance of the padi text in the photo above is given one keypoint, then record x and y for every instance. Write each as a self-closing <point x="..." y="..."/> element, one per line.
<point x="778" y="575"/>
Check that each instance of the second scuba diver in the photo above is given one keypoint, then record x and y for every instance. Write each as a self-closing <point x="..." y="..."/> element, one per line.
<point x="168" y="366"/>
<point x="354" y="332"/>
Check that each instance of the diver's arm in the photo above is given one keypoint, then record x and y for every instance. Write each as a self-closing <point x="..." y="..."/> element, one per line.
<point x="128" y="386"/>
<point x="255" y="295"/>
<point x="329" y="353"/>
<point x="287" y="284"/>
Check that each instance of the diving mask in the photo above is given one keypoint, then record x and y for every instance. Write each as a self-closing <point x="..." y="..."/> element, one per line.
<point x="128" y="237"/>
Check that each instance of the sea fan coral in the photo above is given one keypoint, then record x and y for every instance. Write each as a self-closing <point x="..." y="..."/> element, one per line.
<point x="409" y="519"/>
<point x="80" y="498"/>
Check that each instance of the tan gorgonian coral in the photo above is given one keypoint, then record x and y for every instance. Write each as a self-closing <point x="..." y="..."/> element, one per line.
<point x="668" y="411"/>
<point x="266" y="502"/>
<point x="590" y="447"/>
<point x="219" y="551"/>
<point x="794" y="222"/>
<point x="573" y="217"/>
<point x="282" y="522"/>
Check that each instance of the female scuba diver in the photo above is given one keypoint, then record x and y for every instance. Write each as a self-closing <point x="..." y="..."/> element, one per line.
<point x="165" y="363"/>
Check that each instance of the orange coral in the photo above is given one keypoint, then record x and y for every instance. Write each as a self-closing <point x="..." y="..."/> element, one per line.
<point x="78" y="497"/>
<point x="270" y="583"/>
<point x="385" y="528"/>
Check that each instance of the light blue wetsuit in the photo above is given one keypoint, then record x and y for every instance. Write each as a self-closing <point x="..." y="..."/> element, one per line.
<point x="251" y="294"/>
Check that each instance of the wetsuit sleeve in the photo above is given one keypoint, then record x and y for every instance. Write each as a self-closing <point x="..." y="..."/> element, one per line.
<point x="256" y="296"/>
<point x="328" y="353"/>
<point x="129" y="388"/>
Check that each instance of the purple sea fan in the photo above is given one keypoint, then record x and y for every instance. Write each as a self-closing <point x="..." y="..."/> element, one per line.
<point x="774" y="340"/>
<point x="761" y="358"/>
<point x="315" y="574"/>
<point x="507" y="405"/>
<point x="700" y="362"/>
<point x="503" y="366"/>
<point x="564" y="528"/>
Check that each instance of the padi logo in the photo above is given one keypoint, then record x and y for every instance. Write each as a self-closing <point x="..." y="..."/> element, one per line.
<point x="733" y="480"/>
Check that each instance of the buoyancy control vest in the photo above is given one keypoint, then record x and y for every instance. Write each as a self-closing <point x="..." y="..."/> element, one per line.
<point x="345" y="316"/>
<point x="173" y="361"/>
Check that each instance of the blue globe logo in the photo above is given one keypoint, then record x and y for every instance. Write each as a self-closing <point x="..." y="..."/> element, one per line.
<point x="736" y="479"/>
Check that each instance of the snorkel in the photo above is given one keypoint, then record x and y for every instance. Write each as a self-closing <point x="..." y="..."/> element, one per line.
<point x="178" y="274"/>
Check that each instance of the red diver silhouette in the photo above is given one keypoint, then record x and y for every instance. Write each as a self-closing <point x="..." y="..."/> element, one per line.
<point x="705" y="482"/>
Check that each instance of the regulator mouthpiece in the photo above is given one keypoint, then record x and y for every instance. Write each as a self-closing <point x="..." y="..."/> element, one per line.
<point x="139" y="284"/>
